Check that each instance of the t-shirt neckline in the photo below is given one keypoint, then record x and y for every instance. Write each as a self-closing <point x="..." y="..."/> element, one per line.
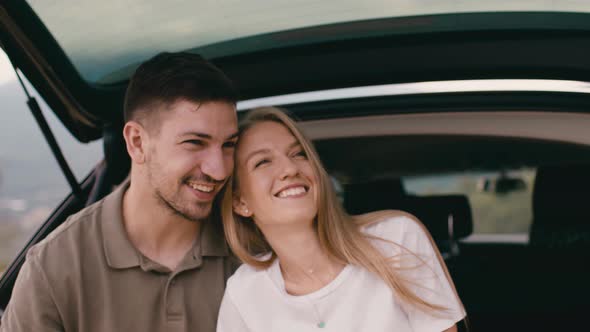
<point x="276" y="276"/>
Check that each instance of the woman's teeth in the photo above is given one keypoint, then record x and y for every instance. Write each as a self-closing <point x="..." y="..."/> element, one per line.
<point x="291" y="192"/>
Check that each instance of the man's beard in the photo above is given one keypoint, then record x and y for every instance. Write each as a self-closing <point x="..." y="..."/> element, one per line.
<point x="174" y="200"/>
<point x="184" y="212"/>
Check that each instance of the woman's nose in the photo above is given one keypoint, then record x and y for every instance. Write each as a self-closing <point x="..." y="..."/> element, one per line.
<point x="288" y="168"/>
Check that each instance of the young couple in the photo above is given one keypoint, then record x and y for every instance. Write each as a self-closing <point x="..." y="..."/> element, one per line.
<point x="151" y="256"/>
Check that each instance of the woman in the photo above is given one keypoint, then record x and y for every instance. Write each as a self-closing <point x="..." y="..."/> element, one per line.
<point x="309" y="265"/>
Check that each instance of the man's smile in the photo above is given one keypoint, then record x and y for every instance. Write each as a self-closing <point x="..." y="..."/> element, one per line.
<point x="206" y="188"/>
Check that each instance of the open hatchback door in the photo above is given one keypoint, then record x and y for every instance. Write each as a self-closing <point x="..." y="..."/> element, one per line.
<point x="497" y="85"/>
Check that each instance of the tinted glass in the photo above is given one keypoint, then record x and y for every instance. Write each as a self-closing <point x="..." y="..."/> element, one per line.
<point x="501" y="202"/>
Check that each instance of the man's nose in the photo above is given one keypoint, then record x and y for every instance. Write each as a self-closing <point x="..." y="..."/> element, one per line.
<point x="214" y="165"/>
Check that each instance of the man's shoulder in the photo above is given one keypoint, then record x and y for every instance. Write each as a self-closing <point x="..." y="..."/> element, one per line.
<point x="78" y="225"/>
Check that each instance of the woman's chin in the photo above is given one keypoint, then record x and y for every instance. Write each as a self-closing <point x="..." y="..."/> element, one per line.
<point x="293" y="218"/>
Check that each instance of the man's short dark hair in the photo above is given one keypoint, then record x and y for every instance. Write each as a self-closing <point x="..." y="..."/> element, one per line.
<point x="169" y="77"/>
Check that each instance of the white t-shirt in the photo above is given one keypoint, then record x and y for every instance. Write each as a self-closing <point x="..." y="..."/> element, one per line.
<point x="356" y="300"/>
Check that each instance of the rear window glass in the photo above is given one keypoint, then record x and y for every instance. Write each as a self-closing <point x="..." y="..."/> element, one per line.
<point x="501" y="202"/>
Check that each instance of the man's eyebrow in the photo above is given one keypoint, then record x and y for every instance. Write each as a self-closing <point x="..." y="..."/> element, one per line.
<point x="207" y="136"/>
<point x="232" y="136"/>
<point x="196" y="133"/>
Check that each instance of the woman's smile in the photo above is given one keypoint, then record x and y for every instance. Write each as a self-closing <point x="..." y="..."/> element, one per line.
<point x="292" y="191"/>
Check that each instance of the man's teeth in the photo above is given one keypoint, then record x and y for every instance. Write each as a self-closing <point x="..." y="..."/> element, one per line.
<point x="291" y="192"/>
<point x="201" y="187"/>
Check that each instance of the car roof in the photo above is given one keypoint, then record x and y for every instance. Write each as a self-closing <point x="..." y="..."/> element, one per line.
<point x="471" y="42"/>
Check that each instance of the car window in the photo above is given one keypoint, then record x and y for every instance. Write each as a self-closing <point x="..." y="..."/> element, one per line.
<point x="31" y="182"/>
<point x="500" y="201"/>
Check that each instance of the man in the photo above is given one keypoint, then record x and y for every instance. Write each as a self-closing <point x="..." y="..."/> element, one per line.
<point x="150" y="256"/>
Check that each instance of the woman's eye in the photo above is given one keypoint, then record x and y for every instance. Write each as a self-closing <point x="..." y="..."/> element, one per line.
<point x="300" y="154"/>
<point x="261" y="162"/>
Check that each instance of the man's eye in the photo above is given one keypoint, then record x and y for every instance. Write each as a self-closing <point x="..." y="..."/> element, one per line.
<point x="195" y="142"/>
<point x="229" y="145"/>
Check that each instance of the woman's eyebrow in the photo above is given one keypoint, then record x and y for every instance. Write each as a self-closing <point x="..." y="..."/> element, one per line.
<point x="253" y="153"/>
<point x="265" y="150"/>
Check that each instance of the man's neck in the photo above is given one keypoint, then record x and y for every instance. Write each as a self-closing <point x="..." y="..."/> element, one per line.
<point x="156" y="232"/>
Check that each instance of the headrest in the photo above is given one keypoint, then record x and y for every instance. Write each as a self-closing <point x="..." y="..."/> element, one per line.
<point x="434" y="212"/>
<point x="561" y="196"/>
<point x="372" y="196"/>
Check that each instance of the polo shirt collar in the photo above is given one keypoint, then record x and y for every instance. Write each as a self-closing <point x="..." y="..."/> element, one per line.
<point x="212" y="238"/>
<point x="120" y="252"/>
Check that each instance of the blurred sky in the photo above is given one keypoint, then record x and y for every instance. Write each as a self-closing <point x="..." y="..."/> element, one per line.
<point x="6" y="71"/>
<point x="31" y="182"/>
<point x="27" y="166"/>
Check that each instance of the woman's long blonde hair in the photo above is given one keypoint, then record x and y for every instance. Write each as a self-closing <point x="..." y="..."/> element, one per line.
<point x="340" y="234"/>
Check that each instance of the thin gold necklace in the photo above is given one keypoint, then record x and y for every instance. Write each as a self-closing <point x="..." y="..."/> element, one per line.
<point x="320" y="323"/>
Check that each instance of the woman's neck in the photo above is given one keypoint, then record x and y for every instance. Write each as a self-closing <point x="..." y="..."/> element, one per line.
<point x="305" y="266"/>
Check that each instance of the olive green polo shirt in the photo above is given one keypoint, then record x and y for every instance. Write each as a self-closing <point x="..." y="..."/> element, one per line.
<point x="87" y="276"/>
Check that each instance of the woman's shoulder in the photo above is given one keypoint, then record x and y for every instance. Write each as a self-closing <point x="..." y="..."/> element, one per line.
<point x="391" y="224"/>
<point x="246" y="276"/>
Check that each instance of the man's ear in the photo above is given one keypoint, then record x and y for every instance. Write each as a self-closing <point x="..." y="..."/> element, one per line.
<point x="136" y="138"/>
<point x="240" y="207"/>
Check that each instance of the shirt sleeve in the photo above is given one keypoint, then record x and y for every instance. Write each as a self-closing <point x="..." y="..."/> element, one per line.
<point x="31" y="306"/>
<point x="230" y="319"/>
<point x="424" y="271"/>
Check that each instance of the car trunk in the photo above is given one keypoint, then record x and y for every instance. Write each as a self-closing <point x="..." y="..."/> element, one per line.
<point x="443" y="45"/>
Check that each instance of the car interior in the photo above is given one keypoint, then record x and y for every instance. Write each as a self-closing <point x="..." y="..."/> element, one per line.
<point x="498" y="175"/>
<point x="504" y="285"/>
